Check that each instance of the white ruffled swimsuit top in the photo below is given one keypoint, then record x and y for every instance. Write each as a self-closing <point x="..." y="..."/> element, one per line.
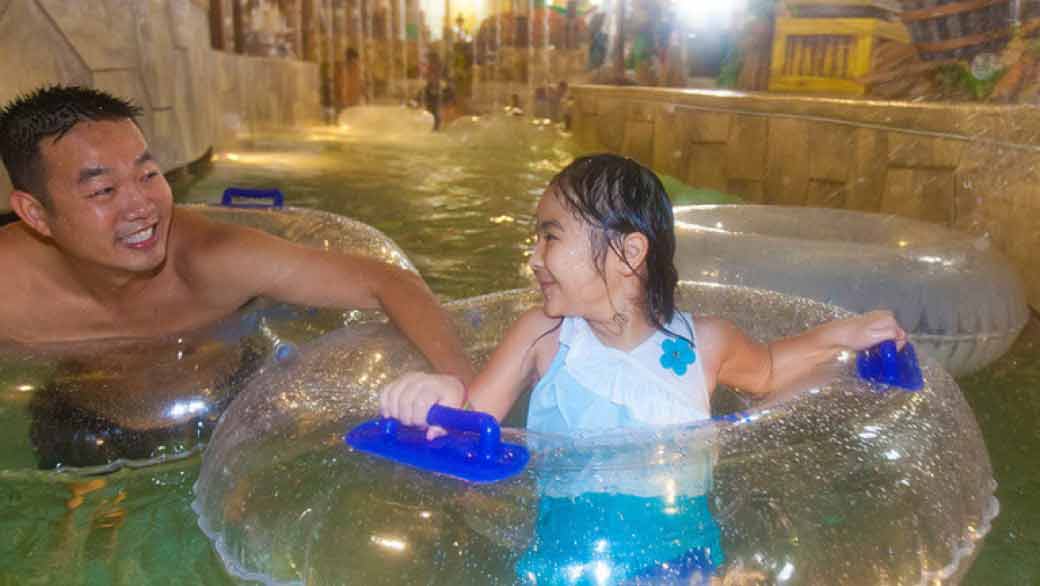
<point x="591" y="387"/>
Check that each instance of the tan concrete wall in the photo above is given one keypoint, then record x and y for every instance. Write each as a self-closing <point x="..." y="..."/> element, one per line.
<point x="156" y="52"/>
<point x="973" y="168"/>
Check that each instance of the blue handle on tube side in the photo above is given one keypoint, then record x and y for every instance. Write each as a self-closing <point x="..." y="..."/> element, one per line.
<point x="887" y="365"/>
<point x="469" y="421"/>
<point x="472" y="449"/>
<point x="275" y="195"/>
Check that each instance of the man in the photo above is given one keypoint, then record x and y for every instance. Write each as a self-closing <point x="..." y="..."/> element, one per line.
<point x="101" y="252"/>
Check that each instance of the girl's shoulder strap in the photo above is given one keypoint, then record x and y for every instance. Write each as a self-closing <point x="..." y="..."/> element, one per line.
<point x="681" y="326"/>
<point x="686" y="319"/>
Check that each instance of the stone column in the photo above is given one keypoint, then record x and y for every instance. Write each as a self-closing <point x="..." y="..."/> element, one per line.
<point x="390" y="53"/>
<point x="401" y="25"/>
<point x="216" y="24"/>
<point x="570" y="32"/>
<point x="354" y="66"/>
<point x="619" y="42"/>
<point x="337" y="54"/>
<point x="291" y="9"/>
<point x="238" y="25"/>
<point x="366" y="45"/>
<point x="328" y="56"/>
<point x="310" y="41"/>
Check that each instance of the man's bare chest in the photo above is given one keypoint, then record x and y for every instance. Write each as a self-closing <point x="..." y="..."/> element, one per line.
<point x="54" y="315"/>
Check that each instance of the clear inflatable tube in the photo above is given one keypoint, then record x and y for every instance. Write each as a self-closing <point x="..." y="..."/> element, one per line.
<point x="833" y="482"/>
<point x="98" y="406"/>
<point x="959" y="299"/>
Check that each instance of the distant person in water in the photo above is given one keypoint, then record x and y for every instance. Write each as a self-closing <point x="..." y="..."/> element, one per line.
<point x="438" y="99"/>
<point x="558" y="110"/>
<point x="101" y="252"/>
<point x="353" y="84"/>
<point x="597" y="40"/>
<point x="514" y="108"/>
<point x="437" y="96"/>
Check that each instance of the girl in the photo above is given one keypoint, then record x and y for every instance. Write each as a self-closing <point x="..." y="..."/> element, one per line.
<point x="607" y="348"/>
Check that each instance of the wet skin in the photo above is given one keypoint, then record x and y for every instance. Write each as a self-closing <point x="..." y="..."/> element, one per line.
<point x="561" y="262"/>
<point x="93" y="263"/>
<point x="111" y="257"/>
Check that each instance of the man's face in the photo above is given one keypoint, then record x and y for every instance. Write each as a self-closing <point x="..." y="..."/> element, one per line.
<point x="110" y="205"/>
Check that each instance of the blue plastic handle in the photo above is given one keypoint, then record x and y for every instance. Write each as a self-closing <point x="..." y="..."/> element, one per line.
<point x="472" y="449"/>
<point x="469" y="421"/>
<point x="735" y="417"/>
<point x="275" y="195"/>
<point x="887" y="365"/>
<point x="457" y="420"/>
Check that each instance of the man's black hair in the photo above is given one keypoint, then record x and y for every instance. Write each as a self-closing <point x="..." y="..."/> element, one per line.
<point x="50" y="112"/>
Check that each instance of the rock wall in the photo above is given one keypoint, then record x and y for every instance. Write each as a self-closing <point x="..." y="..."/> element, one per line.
<point x="971" y="167"/>
<point x="157" y="53"/>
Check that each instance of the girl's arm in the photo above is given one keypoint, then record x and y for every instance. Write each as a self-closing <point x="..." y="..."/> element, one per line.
<point x="516" y="364"/>
<point x="513" y="366"/>
<point x="759" y="368"/>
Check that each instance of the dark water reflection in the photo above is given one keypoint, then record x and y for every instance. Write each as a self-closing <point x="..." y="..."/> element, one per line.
<point x="1006" y="401"/>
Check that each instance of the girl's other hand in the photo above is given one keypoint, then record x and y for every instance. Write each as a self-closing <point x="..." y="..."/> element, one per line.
<point x="870" y="329"/>
<point x="410" y="397"/>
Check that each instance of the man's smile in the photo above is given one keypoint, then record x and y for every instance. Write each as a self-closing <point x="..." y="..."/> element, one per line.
<point x="142" y="237"/>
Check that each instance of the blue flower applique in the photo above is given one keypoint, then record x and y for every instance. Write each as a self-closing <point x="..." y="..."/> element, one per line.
<point x="678" y="354"/>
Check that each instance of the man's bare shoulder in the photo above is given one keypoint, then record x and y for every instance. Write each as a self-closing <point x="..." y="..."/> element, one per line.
<point x="27" y="267"/>
<point x="202" y="247"/>
<point x="220" y="260"/>
<point x="194" y="232"/>
<point x="13" y="236"/>
<point x="21" y="252"/>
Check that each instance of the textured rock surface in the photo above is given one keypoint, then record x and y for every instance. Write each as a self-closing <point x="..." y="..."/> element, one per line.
<point x="157" y="53"/>
<point x="969" y="167"/>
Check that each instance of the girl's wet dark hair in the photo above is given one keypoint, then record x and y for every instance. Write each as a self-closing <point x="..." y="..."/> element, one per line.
<point x="617" y="196"/>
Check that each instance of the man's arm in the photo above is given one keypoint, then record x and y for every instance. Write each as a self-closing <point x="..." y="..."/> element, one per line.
<point x="255" y="263"/>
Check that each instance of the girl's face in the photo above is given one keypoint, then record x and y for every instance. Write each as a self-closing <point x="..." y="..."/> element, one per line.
<point x="564" y="266"/>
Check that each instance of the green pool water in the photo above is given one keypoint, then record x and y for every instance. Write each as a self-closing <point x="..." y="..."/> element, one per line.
<point x="460" y="205"/>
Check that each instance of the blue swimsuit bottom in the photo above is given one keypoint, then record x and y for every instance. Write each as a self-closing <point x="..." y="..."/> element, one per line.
<point x="598" y="539"/>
